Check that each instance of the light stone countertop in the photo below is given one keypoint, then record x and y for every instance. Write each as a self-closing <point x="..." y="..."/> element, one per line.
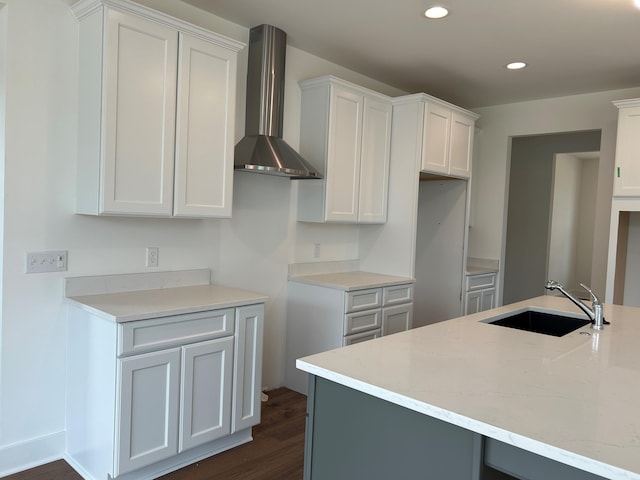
<point x="574" y="399"/>
<point x="162" y="302"/>
<point x="471" y="270"/>
<point x="349" y="281"/>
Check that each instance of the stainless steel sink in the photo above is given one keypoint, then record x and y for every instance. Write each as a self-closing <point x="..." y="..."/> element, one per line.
<point x="540" y="322"/>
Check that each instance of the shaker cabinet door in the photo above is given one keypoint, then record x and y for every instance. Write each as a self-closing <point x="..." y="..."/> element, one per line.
<point x="248" y="367"/>
<point x="204" y="130"/>
<point x="205" y="394"/>
<point x="461" y="145"/>
<point x="140" y="104"/>
<point x="343" y="168"/>
<point x="147" y="429"/>
<point x="374" y="165"/>
<point x="435" y="148"/>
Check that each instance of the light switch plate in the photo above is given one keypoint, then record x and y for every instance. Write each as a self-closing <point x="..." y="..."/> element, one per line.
<point x="49" y="261"/>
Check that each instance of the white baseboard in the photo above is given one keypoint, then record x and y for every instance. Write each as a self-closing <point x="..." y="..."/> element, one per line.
<point x="21" y="456"/>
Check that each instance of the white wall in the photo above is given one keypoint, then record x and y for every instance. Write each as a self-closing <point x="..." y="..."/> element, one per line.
<point x="439" y="243"/>
<point x="565" y="206"/>
<point x="491" y="168"/>
<point x="251" y="250"/>
<point x="586" y="220"/>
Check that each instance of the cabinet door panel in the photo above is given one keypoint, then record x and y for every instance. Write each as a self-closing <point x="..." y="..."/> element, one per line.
<point x="397" y="319"/>
<point x="147" y="409"/>
<point x="461" y="146"/>
<point x="205" y="120"/>
<point x="206" y="392"/>
<point x="343" y="168"/>
<point x="488" y="299"/>
<point x="248" y="367"/>
<point x="139" y="134"/>
<point x="374" y="165"/>
<point x="472" y="302"/>
<point x="435" y="146"/>
<point x="627" y="177"/>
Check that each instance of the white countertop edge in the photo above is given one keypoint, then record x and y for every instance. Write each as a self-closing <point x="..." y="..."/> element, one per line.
<point x="166" y="312"/>
<point x="510" y="438"/>
<point x="352" y="281"/>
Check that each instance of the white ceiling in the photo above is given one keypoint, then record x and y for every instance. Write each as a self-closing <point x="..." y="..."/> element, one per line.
<point x="571" y="46"/>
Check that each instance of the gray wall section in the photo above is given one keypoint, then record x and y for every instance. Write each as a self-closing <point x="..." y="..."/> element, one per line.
<point x="529" y="208"/>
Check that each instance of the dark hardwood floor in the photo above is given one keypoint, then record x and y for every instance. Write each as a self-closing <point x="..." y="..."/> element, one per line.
<point x="276" y="452"/>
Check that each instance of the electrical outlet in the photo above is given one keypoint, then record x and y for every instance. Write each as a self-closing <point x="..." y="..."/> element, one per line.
<point x="50" y="261"/>
<point x="316" y="250"/>
<point x="152" y="257"/>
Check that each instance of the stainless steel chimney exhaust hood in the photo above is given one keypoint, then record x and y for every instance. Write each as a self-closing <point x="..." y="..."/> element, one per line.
<point x="263" y="150"/>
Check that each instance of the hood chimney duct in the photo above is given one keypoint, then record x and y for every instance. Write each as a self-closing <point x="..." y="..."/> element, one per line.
<point x="263" y="150"/>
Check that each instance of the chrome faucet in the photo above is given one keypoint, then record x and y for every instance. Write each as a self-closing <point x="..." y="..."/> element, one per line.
<point x="594" y="313"/>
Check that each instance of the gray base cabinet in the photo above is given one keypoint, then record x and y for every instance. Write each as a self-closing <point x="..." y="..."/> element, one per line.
<point x="353" y="435"/>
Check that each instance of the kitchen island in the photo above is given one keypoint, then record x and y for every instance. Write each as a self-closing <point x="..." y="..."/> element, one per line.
<point x="445" y="400"/>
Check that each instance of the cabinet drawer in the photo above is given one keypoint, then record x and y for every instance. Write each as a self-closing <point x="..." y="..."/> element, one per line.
<point x="477" y="282"/>
<point x="363" y="300"/>
<point x="397" y="294"/>
<point x="159" y="333"/>
<point x="360" y="337"/>
<point x="362" y="321"/>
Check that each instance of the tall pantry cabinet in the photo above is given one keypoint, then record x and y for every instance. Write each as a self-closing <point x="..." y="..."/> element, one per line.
<point x="156" y="114"/>
<point x="444" y="134"/>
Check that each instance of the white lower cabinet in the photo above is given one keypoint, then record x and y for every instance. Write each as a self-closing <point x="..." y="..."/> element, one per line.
<point x="321" y="318"/>
<point x="168" y="391"/>
<point x="480" y="293"/>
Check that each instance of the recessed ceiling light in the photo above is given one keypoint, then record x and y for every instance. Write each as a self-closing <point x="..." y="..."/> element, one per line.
<point x="516" y="65"/>
<point x="636" y="3"/>
<point x="437" y="12"/>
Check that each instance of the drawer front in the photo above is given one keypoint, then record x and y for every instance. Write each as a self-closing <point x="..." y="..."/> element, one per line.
<point x="159" y="333"/>
<point x="363" y="300"/>
<point x="478" y="282"/>
<point x="362" y="321"/>
<point x="395" y="294"/>
<point x="360" y="337"/>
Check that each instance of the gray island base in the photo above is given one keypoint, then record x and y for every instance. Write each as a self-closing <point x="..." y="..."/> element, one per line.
<point x="353" y="435"/>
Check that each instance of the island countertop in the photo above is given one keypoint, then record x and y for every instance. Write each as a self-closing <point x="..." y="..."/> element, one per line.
<point x="574" y="399"/>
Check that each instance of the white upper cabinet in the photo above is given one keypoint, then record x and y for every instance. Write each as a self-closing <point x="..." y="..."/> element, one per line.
<point x="447" y="138"/>
<point x="345" y="134"/>
<point x="204" y="130"/>
<point x="627" y="174"/>
<point x="156" y="114"/>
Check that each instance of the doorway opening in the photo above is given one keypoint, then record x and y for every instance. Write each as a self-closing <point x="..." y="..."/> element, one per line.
<point x="529" y="209"/>
<point x="572" y="222"/>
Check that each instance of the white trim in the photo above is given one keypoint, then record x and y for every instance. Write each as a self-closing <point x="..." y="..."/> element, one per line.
<point x="632" y="102"/>
<point x="31" y="453"/>
<point x="84" y="7"/>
